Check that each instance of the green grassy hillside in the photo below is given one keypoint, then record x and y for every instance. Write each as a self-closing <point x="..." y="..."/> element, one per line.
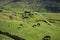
<point x="27" y="31"/>
<point x="20" y="19"/>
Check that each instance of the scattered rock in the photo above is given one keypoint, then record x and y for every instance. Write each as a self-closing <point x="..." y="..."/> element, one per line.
<point x="34" y="25"/>
<point x="46" y="38"/>
<point x="47" y="22"/>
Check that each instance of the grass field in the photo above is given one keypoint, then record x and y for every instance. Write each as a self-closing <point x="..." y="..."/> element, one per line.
<point x="27" y="31"/>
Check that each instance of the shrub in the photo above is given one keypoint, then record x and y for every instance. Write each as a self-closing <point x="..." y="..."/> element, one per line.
<point x="1" y="10"/>
<point x="11" y="17"/>
<point x="38" y="24"/>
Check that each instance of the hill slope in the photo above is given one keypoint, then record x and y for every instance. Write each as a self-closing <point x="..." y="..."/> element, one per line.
<point x="21" y="19"/>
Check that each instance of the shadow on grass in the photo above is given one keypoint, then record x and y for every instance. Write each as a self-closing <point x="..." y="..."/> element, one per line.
<point x="11" y="36"/>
